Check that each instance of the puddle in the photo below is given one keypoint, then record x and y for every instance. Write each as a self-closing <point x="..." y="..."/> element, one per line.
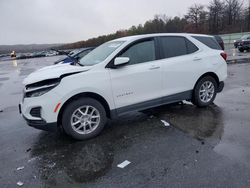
<point x="200" y="123"/>
<point x="77" y="161"/>
<point x="17" y="93"/>
<point x="4" y="78"/>
<point x="4" y="73"/>
<point x="63" y="160"/>
<point x="24" y="71"/>
<point x="11" y="109"/>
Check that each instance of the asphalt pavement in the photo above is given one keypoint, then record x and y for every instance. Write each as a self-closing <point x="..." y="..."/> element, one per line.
<point x="208" y="147"/>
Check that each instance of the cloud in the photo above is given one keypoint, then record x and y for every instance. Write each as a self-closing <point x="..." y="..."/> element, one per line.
<point x="62" y="21"/>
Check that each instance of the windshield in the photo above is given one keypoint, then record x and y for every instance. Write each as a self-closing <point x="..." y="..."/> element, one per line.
<point x="245" y="36"/>
<point x="73" y="53"/>
<point x="100" y="53"/>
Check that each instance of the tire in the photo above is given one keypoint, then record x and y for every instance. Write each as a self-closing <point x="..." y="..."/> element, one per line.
<point x="241" y="50"/>
<point x="203" y="99"/>
<point x="86" y="114"/>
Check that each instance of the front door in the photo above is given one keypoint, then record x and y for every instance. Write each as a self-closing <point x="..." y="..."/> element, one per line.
<point x="139" y="82"/>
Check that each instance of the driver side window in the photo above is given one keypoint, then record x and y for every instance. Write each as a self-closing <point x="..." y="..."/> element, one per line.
<point x="140" y="52"/>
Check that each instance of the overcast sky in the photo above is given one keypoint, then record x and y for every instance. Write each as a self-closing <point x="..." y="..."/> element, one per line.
<point x="62" y="21"/>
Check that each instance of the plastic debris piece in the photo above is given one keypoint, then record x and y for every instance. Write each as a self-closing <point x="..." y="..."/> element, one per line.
<point x="52" y="165"/>
<point x="20" y="168"/>
<point x="19" y="183"/>
<point x="33" y="159"/>
<point x="166" y="124"/>
<point x="123" y="164"/>
<point x="28" y="150"/>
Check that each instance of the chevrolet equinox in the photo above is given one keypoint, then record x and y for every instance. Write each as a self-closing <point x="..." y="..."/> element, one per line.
<point x="123" y="75"/>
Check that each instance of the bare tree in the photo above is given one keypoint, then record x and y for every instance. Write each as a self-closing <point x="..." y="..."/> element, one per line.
<point x="233" y="8"/>
<point x="215" y="10"/>
<point x="248" y="16"/>
<point x="196" y="15"/>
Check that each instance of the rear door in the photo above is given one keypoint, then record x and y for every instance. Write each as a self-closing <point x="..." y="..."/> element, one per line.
<point x="180" y="64"/>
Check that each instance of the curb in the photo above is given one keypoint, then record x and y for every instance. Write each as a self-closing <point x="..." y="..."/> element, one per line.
<point x="237" y="61"/>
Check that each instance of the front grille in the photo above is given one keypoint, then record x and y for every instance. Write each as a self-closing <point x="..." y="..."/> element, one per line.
<point x="36" y="112"/>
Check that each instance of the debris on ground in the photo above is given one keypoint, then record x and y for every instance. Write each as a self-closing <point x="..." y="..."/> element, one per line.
<point x="20" y="168"/>
<point x="28" y="150"/>
<point x="33" y="159"/>
<point x="52" y="165"/>
<point x="123" y="164"/>
<point x="166" y="124"/>
<point x="19" y="183"/>
<point x="185" y="166"/>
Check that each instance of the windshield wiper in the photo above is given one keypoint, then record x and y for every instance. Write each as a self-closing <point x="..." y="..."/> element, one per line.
<point x="77" y="62"/>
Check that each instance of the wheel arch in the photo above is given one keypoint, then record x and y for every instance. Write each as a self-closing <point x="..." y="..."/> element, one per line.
<point x="212" y="74"/>
<point x="92" y="95"/>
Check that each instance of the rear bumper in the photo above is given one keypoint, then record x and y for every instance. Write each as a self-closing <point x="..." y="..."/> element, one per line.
<point x="220" y="87"/>
<point x="244" y="46"/>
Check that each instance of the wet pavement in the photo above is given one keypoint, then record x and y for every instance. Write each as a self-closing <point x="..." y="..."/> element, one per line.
<point x="234" y="56"/>
<point x="207" y="147"/>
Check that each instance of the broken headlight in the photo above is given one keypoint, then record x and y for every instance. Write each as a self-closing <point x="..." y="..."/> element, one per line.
<point x="40" y="88"/>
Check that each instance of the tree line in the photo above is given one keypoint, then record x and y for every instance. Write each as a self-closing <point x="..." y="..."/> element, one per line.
<point x="218" y="17"/>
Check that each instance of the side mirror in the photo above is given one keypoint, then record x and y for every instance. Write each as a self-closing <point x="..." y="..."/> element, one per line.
<point x="121" y="61"/>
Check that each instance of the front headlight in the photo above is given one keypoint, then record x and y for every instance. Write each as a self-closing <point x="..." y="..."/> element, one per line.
<point x="38" y="93"/>
<point x="40" y="88"/>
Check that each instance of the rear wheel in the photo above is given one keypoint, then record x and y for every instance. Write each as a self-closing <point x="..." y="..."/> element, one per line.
<point x="205" y="91"/>
<point x="241" y="50"/>
<point x="84" y="118"/>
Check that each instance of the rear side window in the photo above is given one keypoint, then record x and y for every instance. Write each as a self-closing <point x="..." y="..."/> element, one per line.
<point x="176" y="46"/>
<point x="191" y="48"/>
<point x="140" y="52"/>
<point x="208" y="41"/>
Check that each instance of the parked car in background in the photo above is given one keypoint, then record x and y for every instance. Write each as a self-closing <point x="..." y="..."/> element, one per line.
<point x="75" y="55"/>
<point x="220" y="41"/>
<point x="244" y="45"/>
<point x="13" y="54"/>
<point x="237" y="42"/>
<point x="127" y="74"/>
<point x="51" y="53"/>
<point x="39" y="54"/>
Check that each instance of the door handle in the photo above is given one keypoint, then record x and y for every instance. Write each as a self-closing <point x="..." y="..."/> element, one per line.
<point x="197" y="59"/>
<point x="154" y="67"/>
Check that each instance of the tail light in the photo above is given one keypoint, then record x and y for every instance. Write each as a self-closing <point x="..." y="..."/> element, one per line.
<point x="224" y="55"/>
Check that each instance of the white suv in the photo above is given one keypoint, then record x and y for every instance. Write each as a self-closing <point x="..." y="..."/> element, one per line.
<point x="126" y="74"/>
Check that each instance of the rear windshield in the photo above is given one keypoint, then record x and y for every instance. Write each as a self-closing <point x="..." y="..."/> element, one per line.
<point x="208" y="41"/>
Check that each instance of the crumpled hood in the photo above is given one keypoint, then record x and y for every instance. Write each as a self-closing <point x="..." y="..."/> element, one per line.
<point x="53" y="71"/>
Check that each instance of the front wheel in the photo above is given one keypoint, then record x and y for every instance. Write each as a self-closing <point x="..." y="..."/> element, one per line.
<point x="205" y="92"/>
<point x="84" y="118"/>
<point x="241" y="50"/>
